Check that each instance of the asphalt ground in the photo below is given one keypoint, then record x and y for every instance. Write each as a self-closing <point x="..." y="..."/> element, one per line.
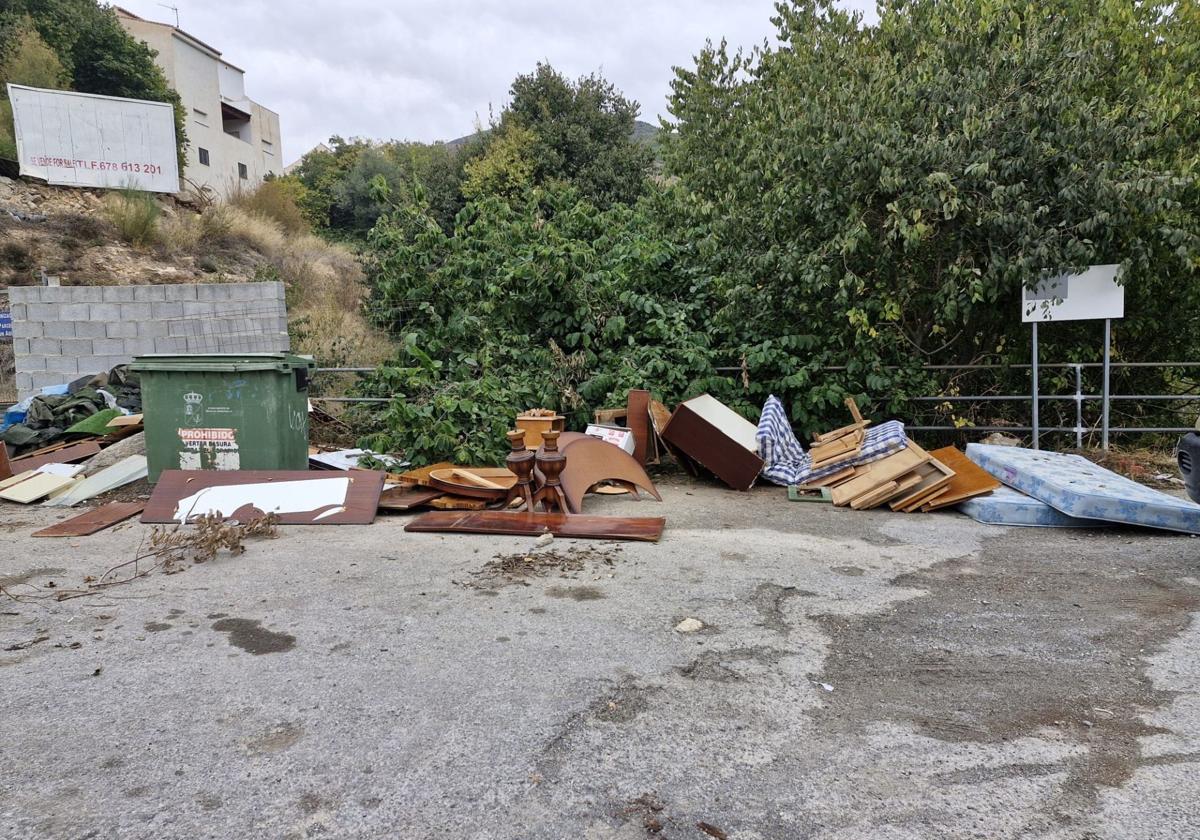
<point x="858" y="675"/>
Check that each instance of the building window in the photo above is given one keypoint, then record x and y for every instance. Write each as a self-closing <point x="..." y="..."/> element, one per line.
<point x="203" y="156"/>
<point x="242" y="172"/>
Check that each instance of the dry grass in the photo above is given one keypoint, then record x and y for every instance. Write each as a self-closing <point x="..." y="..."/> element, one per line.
<point x="135" y="216"/>
<point x="275" y="200"/>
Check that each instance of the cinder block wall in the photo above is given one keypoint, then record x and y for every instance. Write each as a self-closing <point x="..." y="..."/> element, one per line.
<point x="63" y="332"/>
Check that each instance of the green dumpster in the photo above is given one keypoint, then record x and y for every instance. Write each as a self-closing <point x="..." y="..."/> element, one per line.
<point x="225" y="411"/>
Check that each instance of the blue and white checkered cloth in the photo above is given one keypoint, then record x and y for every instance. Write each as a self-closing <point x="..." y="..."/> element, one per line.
<point x="788" y="463"/>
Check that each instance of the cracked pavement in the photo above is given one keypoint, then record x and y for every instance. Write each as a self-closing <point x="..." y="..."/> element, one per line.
<point x="859" y="675"/>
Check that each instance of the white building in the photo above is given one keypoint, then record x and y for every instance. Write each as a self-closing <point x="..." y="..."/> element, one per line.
<point x="233" y="141"/>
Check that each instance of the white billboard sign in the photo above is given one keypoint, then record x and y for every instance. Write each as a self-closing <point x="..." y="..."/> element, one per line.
<point x="1092" y="295"/>
<point x="85" y="140"/>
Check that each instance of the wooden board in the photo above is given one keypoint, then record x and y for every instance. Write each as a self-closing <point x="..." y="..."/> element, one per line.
<point x="449" y="502"/>
<point x="934" y="474"/>
<point x="457" y="480"/>
<point x="898" y="486"/>
<point x="17" y="478"/>
<point x="68" y="454"/>
<point x="524" y="524"/>
<point x="96" y="519"/>
<point x="923" y="502"/>
<point x="638" y="419"/>
<point x="420" y="475"/>
<point x="5" y="467"/>
<point x="881" y="472"/>
<point x="35" y="487"/>
<point x="360" y="502"/>
<point x="407" y="497"/>
<point x="969" y="480"/>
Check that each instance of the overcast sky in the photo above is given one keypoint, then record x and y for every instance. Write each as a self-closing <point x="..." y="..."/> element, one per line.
<point x="425" y="69"/>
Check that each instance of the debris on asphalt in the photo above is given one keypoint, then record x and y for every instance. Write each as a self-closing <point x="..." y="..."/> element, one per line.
<point x="521" y="567"/>
<point x="689" y="625"/>
<point x="125" y="471"/>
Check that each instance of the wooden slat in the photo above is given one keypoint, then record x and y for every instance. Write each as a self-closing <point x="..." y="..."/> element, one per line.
<point x="68" y="454"/>
<point x="934" y="474"/>
<point x="881" y="472"/>
<point x="923" y="502"/>
<point x="969" y="480"/>
<point x="524" y="524"/>
<point x="407" y="497"/>
<point x="449" y="502"/>
<point x="420" y="475"/>
<point x="96" y="519"/>
<point x="903" y="484"/>
<point x="35" y="487"/>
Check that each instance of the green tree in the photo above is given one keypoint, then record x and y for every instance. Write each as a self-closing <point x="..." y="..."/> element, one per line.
<point x="97" y="52"/>
<point x="882" y="193"/>
<point x="28" y="61"/>
<point x="582" y="134"/>
<point x="505" y="168"/>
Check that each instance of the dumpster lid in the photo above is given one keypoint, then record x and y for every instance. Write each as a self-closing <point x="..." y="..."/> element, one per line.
<point x="218" y="362"/>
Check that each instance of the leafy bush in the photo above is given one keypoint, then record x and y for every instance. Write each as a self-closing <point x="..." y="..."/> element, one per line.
<point x="277" y="199"/>
<point x="134" y="214"/>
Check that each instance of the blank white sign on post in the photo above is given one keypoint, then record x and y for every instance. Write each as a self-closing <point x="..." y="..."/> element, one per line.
<point x="85" y="140"/>
<point x="1092" y="295"/>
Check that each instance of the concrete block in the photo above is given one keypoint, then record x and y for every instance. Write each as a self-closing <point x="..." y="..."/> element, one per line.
<point x="108" y="346"/>
<point x="73" y="312"/>
<point x="20" y="346"/>
<point x="120" y="329"/>
<point x="45" y="346"/>
<point x="197" y="308"/>
<point x="167" y="309"/>
<point x="56" y="294"/>
<point x="19" y="311"/>
<point x="215" y="291"/>
<point x="27" y="329"/>
<point x="149" y="293"/>
<point x="139" y="346"/>
<point x="78" y="346"/>
<point x="170" y="345"/>
<point x="63" y="364"/>
<point x="105" y="311"/>
<point x="85" y="294"/>
<point x="181" y="291"/>
<point x="59" y="329"/>
<point x="31" y="363"/>
<point x="101" y="364"/>
<point x="91" y="329"/>
<point x="119" y="294"/>
<point x="25" y="294"/>
<point x="42" y="378"/>
<point x="24" y="383"/>
<point x="135" y="311"/>
<point x="151" y="329"/>
<point x="43" y="312"/>
<point x="277" y="291"/>
<point x="183" y="327"/>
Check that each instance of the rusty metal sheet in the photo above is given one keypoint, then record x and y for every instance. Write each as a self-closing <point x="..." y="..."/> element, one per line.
<point x="637" y="417"/>
<point x="525" y="524"/>
<point x="96" y="519"/>
<point x="352" y="503"/>
<point x="68" y="454"/>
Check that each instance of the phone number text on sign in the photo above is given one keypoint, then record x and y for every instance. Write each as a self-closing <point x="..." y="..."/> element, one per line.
<point x="99" y="165"/>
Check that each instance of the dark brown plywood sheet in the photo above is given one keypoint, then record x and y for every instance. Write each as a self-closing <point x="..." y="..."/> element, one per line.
<point x="5" y="467"/>
<point x="361" y="501"/>
<point x="407" y="497"/>
<point x="96" y="519"/>
<point x="706" y="445"/>
<point x="62" y="455"/>
<point x="524" y="524"/>
<point x="637" y="417"/>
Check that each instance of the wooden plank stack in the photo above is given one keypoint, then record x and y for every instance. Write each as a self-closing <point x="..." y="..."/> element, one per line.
<point x="907" y="480"/>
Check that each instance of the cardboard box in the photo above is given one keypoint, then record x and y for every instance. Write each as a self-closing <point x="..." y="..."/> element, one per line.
<point x="616" y="435"/>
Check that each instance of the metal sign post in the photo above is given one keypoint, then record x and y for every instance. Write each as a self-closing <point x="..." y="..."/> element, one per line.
<point x="1092" y="295"/>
